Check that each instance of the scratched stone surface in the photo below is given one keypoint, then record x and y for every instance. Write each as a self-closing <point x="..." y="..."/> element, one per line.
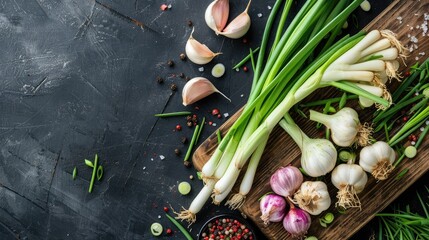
<point x="78" y="77"/>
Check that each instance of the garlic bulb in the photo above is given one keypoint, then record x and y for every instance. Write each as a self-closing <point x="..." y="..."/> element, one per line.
<point x="313" y="197"/>
<point x="350" y="179"/>
<point x="318" y="155"/>
<point x="237" y="27"/>
<point x="198" y="88"/>
<point x="286" y="180"/>
<point x="377" y="159"/>
<point x="198" y="53"/>
<point x="216" y="15"/>
<point x="345" y="127"/>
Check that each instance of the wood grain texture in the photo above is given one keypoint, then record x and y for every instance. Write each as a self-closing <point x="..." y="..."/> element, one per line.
<point x="281" y="150"/>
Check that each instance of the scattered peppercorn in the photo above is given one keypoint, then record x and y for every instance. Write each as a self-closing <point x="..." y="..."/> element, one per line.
<point x="159" y="80"/>
<point x="173" y="87"/>
<point x="245" y="69"/>
<point x="219" y="116"/>
<point x="189" y="124"/>
<point x="187" y="164"/>
<point x="182" y="75"/>
<point x="177" y="151"/>
<point x="184" y="140"/>
<point x="407" y="74"/>
<point x="178" y="127"/>
<point x="182" y="56"/>
<point x="169" y="231"/>
<point x="405" y="119"/>
<point x="166" y="209"/>
<point x="244" y="40"/>
<point x="215" y="111"/>
<point x="188" y="78"/>
<point x="170" y="63"/>
<point x="190" y="24"/>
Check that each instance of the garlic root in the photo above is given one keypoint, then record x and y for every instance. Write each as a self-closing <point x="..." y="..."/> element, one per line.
<point x="348" y="198"/>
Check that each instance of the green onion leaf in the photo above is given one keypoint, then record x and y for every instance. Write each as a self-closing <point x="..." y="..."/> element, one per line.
<point x="94" y="169"/>
<point x="192" y="143"/>
<point x="180" y="227"/>
<point x="402" y="174"/>
<point x="219" y="137"/>
<point x="245" y="59"/>
<point x="172" y="114"/>
<point x="89" y="163"/>
<point x="74" y="173"/>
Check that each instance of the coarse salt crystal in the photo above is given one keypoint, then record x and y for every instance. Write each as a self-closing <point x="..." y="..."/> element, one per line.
<point x="214" y="124"/>
<point x="427" y="122"/>
<point x="422" y="53"/>
<point x="414" y="39"/>
<point x="413" y="143"/>
<point x="269" y="7"/>
<point x="169" y="6"/>
<point x="159" y="216"/>
<point x="417" y="58"/>
<point x="144" y="168"/>
<point x="237" y="69"/>
<point x="242" y="95"/>
<point x="422" y="129"/>
<point x="162" y="157"/>
<point x="259" y="15"/>
<point x="201" y="69"/>
<point x="151" y="159"/>
<point x="226" y="115"/>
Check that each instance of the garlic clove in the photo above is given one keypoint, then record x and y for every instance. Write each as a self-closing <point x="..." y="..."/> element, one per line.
<point x="239" y="26"/>
<point x="216" y="15"/>
<point x="197" y="89"/>
<point x="198" y="53"/>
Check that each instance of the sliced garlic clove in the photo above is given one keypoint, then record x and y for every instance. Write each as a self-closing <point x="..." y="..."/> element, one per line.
<point x="198" y="88"/>
<point x="198" y="53"/>
<point x="216" y="15"/>
<point x="239" y="26"/>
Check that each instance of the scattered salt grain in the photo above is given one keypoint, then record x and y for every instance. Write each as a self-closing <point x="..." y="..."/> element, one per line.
<point x="422" y="129"/>
<point x="413" y="143"/>
<point x="427" y="122"/>
<point x="399" y="19"/>
<point x="214" y="124"/>
<point x="414" y="39"/>
<point x="162" y="157"/>
<point x="269" y="7"/>
<point x="242" y="95"/>
<point x="144" y="168"/>
<point x="159" y="216"/>
<point x="237" y="69"/>
<point x="259" y="15"/>
<point x="201" y="69"/>
<point x="422" y="53"/>
<point x="169" y="6"/>
<point x="417" y="58"/>
<point x="226" y="115"/>
<point x="151" y="159"/>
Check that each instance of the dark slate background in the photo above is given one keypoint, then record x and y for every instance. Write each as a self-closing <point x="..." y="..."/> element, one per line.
<point x="78" y="79"/>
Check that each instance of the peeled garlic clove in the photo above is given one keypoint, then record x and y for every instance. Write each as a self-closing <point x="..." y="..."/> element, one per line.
<point x="198" y="88"/>
<point x="216" y="15"/>
<point x="239" y="26"/>
<point x="198" y="53"/>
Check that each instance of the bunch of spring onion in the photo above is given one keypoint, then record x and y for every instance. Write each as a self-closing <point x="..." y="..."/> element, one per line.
<point x="289" y="73"/>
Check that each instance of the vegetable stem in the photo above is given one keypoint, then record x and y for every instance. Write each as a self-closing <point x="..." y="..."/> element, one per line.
<point x="172" y="114"/>
<point x="192" y="143"/>
<point x="94" y="172"/>
<point x="180" y="227"/>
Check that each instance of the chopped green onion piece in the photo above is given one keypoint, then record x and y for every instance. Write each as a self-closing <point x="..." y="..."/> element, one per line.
<point x="199" y="175"/>
<point x="345" y="155"/>
<point x="219" y="137"/>
<point x="99" y="172"/>
<point x="343" y="101"/>
<point x="180" y="227"/>
<point x="245" y="59"/>
<point x="156" y="229"/>
<point x="172" y="114"/>
<point x="310" y="238"/>
<point x="410" y="151"/>
<point x="200" y="130"/>
<point x="94" y="169"/>
<point x="74" y="173"/>
<point x="328" y="218"/>
<point x="402" y="173"/>
<point x="322" y="223"/>
<point x="218" y="70"/>
<point x="89" y="163"/>
<point x="184" y="188"/>
<point x="194" y="136"/>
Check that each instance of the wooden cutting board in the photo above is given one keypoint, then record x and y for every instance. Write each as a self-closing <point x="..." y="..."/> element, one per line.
<point x="399" y="17"/>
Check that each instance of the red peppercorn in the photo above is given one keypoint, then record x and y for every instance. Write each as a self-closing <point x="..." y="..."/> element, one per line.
<point x="210" y="123"/>
<point x="407" y="73"/>
<point x="244" y="40"/>
<point x="245" y="69"/>
<point x="215" y="111"/>
<point x="414" y="138"/>
<point x="165" y="209"/>
<point x="169" y="231"/>
<point x="178" y="127"/>
<point x="405" y="119"/>
<point x="246" y="230"/>
<point x="219" y="116"/>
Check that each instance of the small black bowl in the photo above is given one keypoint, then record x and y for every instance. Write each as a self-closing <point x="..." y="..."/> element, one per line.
<point x="204" y="228"/>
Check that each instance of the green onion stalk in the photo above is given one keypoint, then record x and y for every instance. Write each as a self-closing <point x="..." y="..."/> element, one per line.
<point x="286" y="77"/>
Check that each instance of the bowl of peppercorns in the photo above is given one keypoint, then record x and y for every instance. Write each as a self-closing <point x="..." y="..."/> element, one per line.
<point x="227" y="227"/>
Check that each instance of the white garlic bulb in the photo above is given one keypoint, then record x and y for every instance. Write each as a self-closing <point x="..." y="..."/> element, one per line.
<point x="313" y="197"/>
<point x="350" y="179"/>
<point x="377" y="159"/>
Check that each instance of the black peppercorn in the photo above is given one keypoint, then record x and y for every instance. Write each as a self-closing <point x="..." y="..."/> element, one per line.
<point x="182" y="56"/>
<point x="188" y="78"/>
<point x="173" y="87"/>
<point x="189" y="124"/>
<point x="190" y="24"/>
<point x="182" y="75"/>
<point x="177" y="151"/>
<point x="159" y="80"/>
<point x="187" y="164"/>
<point x="170" y="63"/>
<point x="184" y="140"/>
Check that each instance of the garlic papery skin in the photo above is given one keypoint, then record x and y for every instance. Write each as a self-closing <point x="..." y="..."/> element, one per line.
<point x="350" y="179"/>
<point x="198" y="88"/>
<point x="286" y="180"/>
<point x="216" y="15"/>
<point x="313" y="197"/>
<point x="273" y="208"/>
<point x="239" y="26"/>
<point x="377" y="159"/>
<point x="197" y="52"/>
<point x="345" y="127"/>
<point x="318" y="156"/>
